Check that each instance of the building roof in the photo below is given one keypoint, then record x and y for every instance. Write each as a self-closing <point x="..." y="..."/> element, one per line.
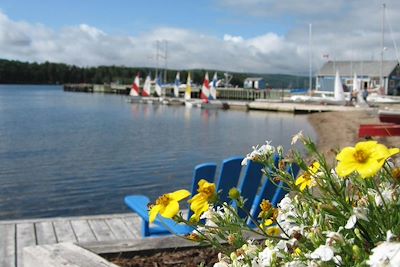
<point x="254" y="79"/>
<point x="361" y="68"/>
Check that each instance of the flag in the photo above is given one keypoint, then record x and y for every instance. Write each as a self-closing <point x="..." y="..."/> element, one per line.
<point x="176" y="85"/>
<point x="135" y="90"/>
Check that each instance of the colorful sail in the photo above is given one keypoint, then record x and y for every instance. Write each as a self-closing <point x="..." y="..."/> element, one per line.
<point x="188" y="91"/>
<point x="176" y="85"/>
<point x="205" y="89"/>
<point x="158" y="86"/>
<point x="135" y="90"/>
<point x="338" y="93"/>
<point x="147" y="86"/>
<point x="213" y="88"/>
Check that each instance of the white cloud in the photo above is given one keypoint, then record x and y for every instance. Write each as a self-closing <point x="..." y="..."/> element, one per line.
<point x="234" y="39"/>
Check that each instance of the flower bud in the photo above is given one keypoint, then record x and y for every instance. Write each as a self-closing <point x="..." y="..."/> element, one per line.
<point x="234" y="194"/>
<point x="358" y="234"/>
<point x="356" y="251"/>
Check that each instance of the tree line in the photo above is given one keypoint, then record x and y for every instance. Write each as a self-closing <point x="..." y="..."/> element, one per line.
<point x="17" y="72"/>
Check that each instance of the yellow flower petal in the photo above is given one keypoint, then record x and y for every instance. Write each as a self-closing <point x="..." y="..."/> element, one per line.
<point x="170" y="210"/>
<point x="346" y="153"/>
<point x="345" y="168"/>
<point x="179" y="195"/>
<point x="370" y="169"/>
<point x="393" y="151"/>
<point x="314" y="167"/>
<point x="299" y="180"/>
<point x="303" y="186"/>
<point x="153" y="212"/>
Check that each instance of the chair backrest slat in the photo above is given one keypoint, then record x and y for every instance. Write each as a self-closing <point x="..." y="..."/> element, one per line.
<point x="204" y="171"/>
<point x="229" y="177"/>
<point x="250" y="184"/>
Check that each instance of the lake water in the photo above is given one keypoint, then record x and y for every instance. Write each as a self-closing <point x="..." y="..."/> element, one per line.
<point x="66" y="154"/>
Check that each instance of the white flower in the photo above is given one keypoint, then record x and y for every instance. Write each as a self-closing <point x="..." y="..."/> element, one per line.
<point x="351" y="222"/>
<point x="387" y="195"/>
<point x="259" y="152"/>
<point x="296" y="137"/>
<point x="385" y="254"/>
<point x="389" y="235"/>
<point x="266" y="256"/>
<point x="358" y="213"/>
<point x="333" y="237"/>
<point x="221" y="264"/>
<point x="323" y="252"/>
<point x="295" y="264"/>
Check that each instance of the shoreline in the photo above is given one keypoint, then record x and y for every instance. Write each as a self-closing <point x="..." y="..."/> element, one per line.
<point x="336" y="130"/>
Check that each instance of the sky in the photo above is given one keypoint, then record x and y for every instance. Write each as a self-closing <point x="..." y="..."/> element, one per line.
<point x="260" y="36"/>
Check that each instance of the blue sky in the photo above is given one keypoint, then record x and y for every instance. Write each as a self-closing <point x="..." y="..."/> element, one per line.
<point x="266" y="36"/>
<point x="136" y="17"/>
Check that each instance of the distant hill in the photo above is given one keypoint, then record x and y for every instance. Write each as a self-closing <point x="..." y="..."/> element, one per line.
<point x="17" y="72"/>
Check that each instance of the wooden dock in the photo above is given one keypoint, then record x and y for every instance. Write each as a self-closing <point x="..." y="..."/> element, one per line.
<point x="17" y="234"/>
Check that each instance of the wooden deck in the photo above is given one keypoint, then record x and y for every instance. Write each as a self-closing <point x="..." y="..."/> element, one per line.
<point x="17" y="234"/>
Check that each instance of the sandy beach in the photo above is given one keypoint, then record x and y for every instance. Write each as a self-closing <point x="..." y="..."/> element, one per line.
<point x="336" y="130"/>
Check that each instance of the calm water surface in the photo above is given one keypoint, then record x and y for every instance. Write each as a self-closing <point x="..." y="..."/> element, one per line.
<point x="64" y="154"/>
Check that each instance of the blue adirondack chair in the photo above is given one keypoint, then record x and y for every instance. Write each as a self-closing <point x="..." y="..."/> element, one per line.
<point x="229" y="177"/>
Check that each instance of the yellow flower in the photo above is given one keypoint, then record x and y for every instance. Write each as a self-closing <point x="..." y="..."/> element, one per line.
<point x="273" y="231"/>
<point x="167" y="205"/>
<point x="297" y="252"/>
<point x="307" y="179"/>
<point x="267" y="222"/>
<point x="366" y="158"/>
<point x="199" y="203"/>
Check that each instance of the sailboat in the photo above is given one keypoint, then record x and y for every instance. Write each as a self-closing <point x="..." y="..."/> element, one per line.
<point x="147" y="87"/>
<point x="135" y="90"/>
<point x="188" y="92"/>
<point x="189" y="102"/>
<point x="176" y="85"/>
<point x="205" y="89"/>
<point x="158" y="86"/>
<point x="146" y="92"/>
<point x="338" y="97"/>
<point x="213" y="88"/>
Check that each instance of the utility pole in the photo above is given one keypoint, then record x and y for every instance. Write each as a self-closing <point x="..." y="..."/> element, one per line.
<point x="310" y="57"/>
<point x="381" y="82"/>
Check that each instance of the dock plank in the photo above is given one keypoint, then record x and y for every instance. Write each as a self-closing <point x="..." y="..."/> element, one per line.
<point x="25" y="237"/>
<point x="134" y="224"/>
<point x="64" y="231"/>
<point x="119" y="229"/>
<point x="45" y="233"/>
<point x="83" y="231"/>
<point x="17" y="234"/>
<point x="101" y="230"/>
<point x="7" y="245"/>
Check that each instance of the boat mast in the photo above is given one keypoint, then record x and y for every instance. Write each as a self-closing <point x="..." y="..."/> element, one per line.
<point x="310" y="57"/>
<point x="381" y="82"/>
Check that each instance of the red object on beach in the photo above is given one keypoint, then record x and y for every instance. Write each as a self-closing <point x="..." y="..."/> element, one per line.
<point x="387" y="129"/>
<point x="392" y="116"/>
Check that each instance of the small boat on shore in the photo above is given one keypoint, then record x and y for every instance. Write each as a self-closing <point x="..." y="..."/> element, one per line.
<point x="389" y="115"/>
